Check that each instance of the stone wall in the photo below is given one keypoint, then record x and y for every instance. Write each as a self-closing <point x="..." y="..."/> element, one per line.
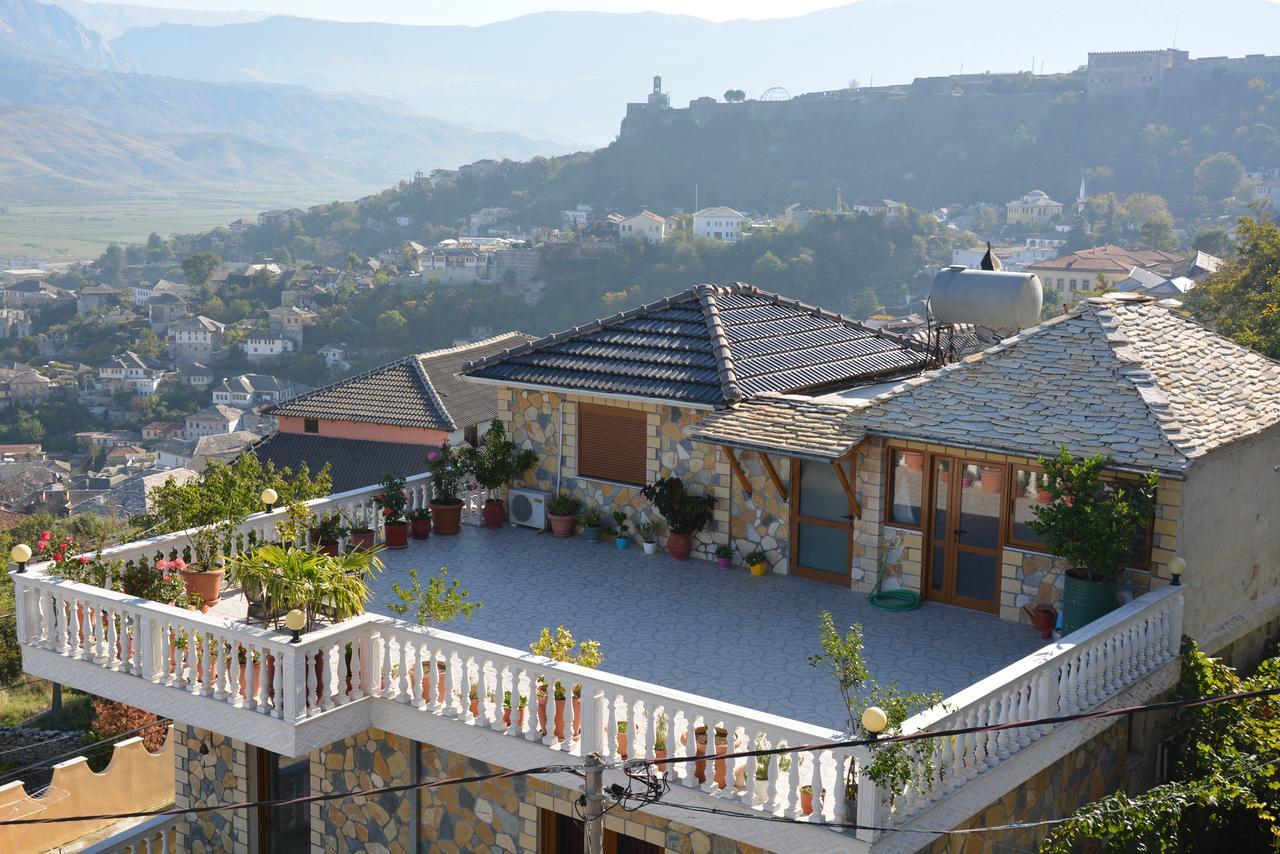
<point x="533" y="420"/>
<point x="761" y="519"/>
<point x="366" y="761"/>
<point x="217" y="777"/>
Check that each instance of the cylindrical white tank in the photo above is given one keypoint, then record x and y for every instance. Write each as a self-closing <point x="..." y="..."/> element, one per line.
<point x="994" y="299"/>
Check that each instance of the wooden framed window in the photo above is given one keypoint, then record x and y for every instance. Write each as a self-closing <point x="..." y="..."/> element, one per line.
<point x="562" y="834"/>
<point x="906" y="488"/>
<point x="311" y="425"/>
<point x="612" y="443"/>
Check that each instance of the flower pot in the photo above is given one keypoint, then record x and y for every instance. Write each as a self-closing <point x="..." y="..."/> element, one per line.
<point x="396" y="535"/>
<point x="592" y="534"/>
<point x="650" y="548"/>
<point x="494" y="513"/>
<point x="1085" y="600"/>
<point x="721" y="745"/>
<point x="561" y="526"/>
<point x="1043" y="618"/>
<point x="328" y="549"/>
<point x="506" y="717"/>
<point x="559" y="716"/>
<point x="1043" y="496"/>
<point x="622" y="745"/>
<point x="992" y="480"/>
<point x="206" y="585"/>
<point x="915" y="461"/>
<point x="762" y="791"/>
<point x="660" y="753"/>
<point x="806" y="800"/>
<point x="362" y="539"/>
<point x="622" y="543"/>
<point x="679" y="545"/>
<point x="420" y="529"/>
<point x="475" y="707"/>
<point x="724" y="562"/>
<point x="252" y="682"/>
<point x="446" y="518"/>
<point x="759" y="569"/>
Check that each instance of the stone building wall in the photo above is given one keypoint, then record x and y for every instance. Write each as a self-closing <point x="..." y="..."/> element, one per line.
<point x="761" y="519"/>
<point x="533" y="419"/>
<point x="219" y="776"/>
<point x="382" y="823"/>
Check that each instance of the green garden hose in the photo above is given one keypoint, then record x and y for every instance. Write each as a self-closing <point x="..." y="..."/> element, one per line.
<point x="892" y="600"/>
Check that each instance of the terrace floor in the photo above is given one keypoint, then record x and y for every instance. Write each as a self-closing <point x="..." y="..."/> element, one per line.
<point x="694" y="627"/>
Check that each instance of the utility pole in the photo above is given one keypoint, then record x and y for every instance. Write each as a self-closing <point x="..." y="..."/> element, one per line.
<point x="593" y="804"/>
<point x="55" y="709"/>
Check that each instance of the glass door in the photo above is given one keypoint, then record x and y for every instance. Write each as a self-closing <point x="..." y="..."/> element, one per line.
<point x="822" y="522"/>
<point x="964" y="535"/>
<point x="283" y="829"/>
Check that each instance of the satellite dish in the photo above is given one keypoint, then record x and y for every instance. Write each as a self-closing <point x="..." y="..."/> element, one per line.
<point x="775" y="93"/>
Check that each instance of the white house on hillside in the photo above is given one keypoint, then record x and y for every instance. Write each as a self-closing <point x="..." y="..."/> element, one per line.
<point x="1032" y="209"/>
<point x="719" y="223"/>
<point x="646" y="226"/>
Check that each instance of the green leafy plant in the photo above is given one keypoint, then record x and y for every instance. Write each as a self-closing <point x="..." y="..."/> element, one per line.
<point x="441" y="601"/>
<point x="756" y="556"/>
<point x="328" y="530"/>
<point x="592" y="518"/>
<point x="646" y="531"/>
<point x="563" y="647"/>
<point x="496" y="461"/>
<point x="315" y="583"/>
<point x="392" y="499"/>
<point x="685" y="513"/>
<point x="620" y="526"/>
<point x="564" y="504"/>
<point x="894" y="766"/>
<point x="1089" y="522"/>
<point x="724" y="551"/>
<point x="421" y="514"/>
<point x="448" y="465"/>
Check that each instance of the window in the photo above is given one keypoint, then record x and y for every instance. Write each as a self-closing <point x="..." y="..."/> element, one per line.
<point x="284" y="829"/>
<point x="1031" y="490"/>
<point x="906" y="487"/>
<point x="562" y="834"/>
<point x="612" y="443"/>
<point x="311" y="425"/>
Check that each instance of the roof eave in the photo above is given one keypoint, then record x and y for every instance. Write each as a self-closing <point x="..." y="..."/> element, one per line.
<point x="639" y="398"/>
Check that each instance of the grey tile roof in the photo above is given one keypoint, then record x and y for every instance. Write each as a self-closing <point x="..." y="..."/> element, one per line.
<point x="416" y="391"/>
<point x="796" y="426"/>
<point x="711" y="344"/>
<point x="353" y="463"/>
<point x="1121" y="376"/>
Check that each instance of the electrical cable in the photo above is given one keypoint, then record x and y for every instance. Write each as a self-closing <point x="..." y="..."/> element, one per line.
<point x="79" y="751"/>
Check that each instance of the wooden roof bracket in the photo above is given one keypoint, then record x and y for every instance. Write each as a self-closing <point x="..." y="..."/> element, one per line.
<point x="845" y="484"/>
<point x="737" y="469"/>
<point x="773" y="475"/>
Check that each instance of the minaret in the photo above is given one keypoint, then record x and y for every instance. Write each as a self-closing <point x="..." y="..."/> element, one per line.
<point x="1080" y="197"/>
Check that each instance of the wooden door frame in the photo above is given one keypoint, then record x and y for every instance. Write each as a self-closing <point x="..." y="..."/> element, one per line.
<point x="793" y="558"/>
<point x="950" y="546"/>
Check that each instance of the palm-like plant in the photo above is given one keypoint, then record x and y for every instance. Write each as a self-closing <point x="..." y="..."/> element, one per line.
<point x="312" y="582"/>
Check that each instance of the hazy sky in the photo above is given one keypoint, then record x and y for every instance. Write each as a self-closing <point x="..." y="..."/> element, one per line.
<point x="486" y="11"/>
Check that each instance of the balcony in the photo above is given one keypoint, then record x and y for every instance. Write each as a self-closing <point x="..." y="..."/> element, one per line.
<point x="689" y="650"/>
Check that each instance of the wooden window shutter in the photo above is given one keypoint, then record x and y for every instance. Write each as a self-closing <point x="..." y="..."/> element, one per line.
<point x="611" y="443"/>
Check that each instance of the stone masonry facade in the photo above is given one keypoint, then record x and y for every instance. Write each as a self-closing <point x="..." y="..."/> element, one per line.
<point x="533" y="420"/>
<point x="381" y="824"/>
<point x="219" y="776"/>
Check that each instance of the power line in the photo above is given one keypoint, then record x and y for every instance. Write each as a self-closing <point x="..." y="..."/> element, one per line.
<point x="49" y="763"/>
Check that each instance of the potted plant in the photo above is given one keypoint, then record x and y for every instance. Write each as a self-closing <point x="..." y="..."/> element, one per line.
<point x="442" y="600"/>
<point x="660" y="741"/>
<point x="204" y="574"/>
<point x="562" y="510"/>
<point x="362" y="536"/>
<point x="758" y="562"/>
<point x="686" y="514"/>
<point x="327" y="532"/>
<point x="420" y="523"/>
<point x="562" y="648"/>
<point x="495" y="463"/>
<point x="992" y="479"/>
<point x="447" y="467"/>
<point x="1092" y="525"/>
<point x="391" y="502"/>
<point x="506" y="709"/>
<point x="622" y="535"/>
<point x="724" y="556"/>
<point x="622" y="739"/>
<point x="648" y="533"/>
<point x="592" y="524"/>
<point x="315" y="583"/>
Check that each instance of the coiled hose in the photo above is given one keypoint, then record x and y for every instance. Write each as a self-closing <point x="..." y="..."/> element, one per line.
<point x="900" y="599"/>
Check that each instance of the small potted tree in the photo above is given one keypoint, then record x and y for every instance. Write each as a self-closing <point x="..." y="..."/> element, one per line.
<point x="391" y="502"/>
<point x="622" y="531"/>
<point x="592" y="524"/>
<point x="1092" y="525"/>
<point x="447" y="467"/>
<point x="495" y="463"/>
<point x="686" y="514"/>
<point x="648" y="533"/>
<point x="441" y="601"/>
<point x="420" y="523"/>
<point x="562" y="510"/>
<point x="724" y="556"/>
<point x="327" y="532"/>
<point x="562" y="648"/>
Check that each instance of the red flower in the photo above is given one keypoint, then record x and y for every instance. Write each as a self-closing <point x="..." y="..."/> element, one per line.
<point x="84" y="561"/>
<point x="386" y="511"/>
<point x="57" y="557"/>
<point x="179" y="564"/>
<point x="45" y="535"/>
<point x="42" y="545"/>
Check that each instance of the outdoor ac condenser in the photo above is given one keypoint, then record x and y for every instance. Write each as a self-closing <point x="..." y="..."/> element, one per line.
<point x="528" y="507"/>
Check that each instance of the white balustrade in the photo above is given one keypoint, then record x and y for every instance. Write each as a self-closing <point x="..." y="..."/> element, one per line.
<point x="154" y="836"/>
<point x="1076" y="674"/>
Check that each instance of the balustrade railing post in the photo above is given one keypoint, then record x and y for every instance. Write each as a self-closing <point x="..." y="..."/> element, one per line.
<point x="294" y="689"/>
<point x="1175" y="603"/>
<point x="148" y="637"/>
<point x="871" y="810"/>
<point x="591" y="727"/>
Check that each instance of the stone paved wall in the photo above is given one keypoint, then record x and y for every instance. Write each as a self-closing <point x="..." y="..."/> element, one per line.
<point x="762" y="519"/>
<point x="532" y="419"/>
<point x="379" y="824"/>
<point x="220" y="776"/>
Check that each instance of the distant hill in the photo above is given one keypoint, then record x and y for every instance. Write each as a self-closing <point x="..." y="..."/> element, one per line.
<point x="111" y="19"/>
<point x="567" y="74"/>
<point x="359" y="142"/>
<point x="34" y="31"/>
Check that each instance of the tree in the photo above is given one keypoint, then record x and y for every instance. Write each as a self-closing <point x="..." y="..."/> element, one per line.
<point x="111" y="264"/>
<point x="157" y="249"/>
<point x="735" y="96"/>
<point x="1215" y="241"/>
<point x="199" y="267"/>
<point x="29" y="427"/>
<point x="1157" y="233"/>
<point x="1242" y="300"/>
<point x="148" y="343"/>
<point x="391" y="325"/>
<point x="1217" y="176"/>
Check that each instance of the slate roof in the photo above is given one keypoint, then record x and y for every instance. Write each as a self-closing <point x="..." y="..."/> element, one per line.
<point x="1121" y="375"/>
<point x="1107" y="258"/>
<point x="712" y="345"/>
<point x="796" y="426"/>
<point x="353" y="463"/>
<point x="417" y="391"/>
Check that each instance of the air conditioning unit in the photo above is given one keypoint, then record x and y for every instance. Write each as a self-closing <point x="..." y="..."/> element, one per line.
<point x="528" y="507"/>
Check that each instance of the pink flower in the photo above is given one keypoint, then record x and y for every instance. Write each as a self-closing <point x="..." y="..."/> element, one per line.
<point x="67" y="538"/>
<point x="84" y="561"/>
<point x="162" y="565"/>
<point x="178" y="564"/>
<point x="57" y="558"/>
<point x="42" y="545"/>
<point x="431" y="456"/>
<point x="45" y="536"/>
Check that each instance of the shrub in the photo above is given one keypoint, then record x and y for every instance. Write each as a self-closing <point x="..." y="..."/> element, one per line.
<point x="112" y="718"/>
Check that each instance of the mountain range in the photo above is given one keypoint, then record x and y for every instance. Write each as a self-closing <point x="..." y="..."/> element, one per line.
<point x="568" y="74"/>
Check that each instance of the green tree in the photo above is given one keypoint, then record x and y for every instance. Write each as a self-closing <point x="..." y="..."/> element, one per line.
<point x="1157" y="233"/>
<point x="200" y="266"/>
<point x="148" y="343"/>
<point x="1215" y="241"/>
<point x="1242" y="300"/>
<point x="735" y="96"/>
<point x="391" y="325"/>
<point x="158" y="249"/>
<point x="30" y="428"/>
<point x="1217" y="175"/>
<point x="111" y="264"/>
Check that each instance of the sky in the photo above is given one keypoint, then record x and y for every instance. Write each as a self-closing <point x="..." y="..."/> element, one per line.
<point x="487" y="11"/>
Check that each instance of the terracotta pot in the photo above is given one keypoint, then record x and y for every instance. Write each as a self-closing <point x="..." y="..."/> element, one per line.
<point x="915" y="461"/>
<point x="806" y="801"/>
<point x="561" y="526"/>
<point x="475" y="707"/>
<point x="506" y="717"/>
<point x="559" y="713"/>
<point x="1043" y="618"/>
<point x="362" y="539"/>
<point x="420" y="529"/>
<point x="329" y="549"/>
<point x="253" y="683"/>
<point x="622" y="745"/>
<point x="446" y="518"/>
<point x="992" y="480"/>
<point x="660" y="754"/>
<point x="679" y="545"/>
<point x="396" y="535"/>
<point x="700" y="767"/>
<point x="494" y="513"/>
<point x="206" y="585"/>
<point x="1043" y="496"/>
